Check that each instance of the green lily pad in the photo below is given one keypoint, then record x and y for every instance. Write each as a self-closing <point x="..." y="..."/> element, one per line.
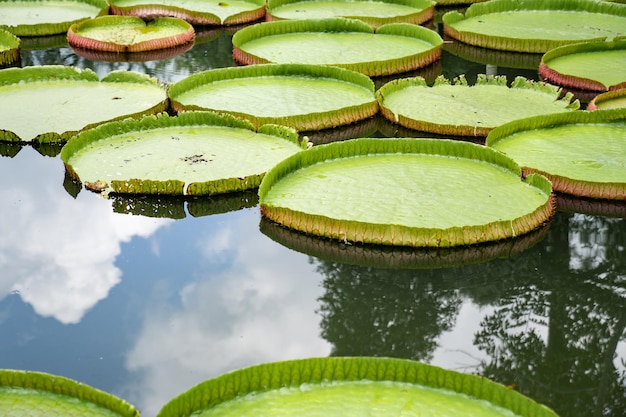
<point x="305" y="97"/>
<point x="582" y="153"/>
<point x="153" y="55"/>
<point x="610" y="100"/>
<point x="130" y="34"/>
<point x="596" y="66"/>
<point x="194" y="153"/>
<point x="349" y="43"/>
<point x="536" y="25"/>
<point x="356" y="386"/>
<point x="28" y="393"/>
<point x="52" y="103"/>
<point x="9" y="48"/>
<point x="51" y="17"/>
<point x="405" y="192"/>
<point x="455" y="108"/>
<point x="374" y="13"/>
<point x="196" y="12"/>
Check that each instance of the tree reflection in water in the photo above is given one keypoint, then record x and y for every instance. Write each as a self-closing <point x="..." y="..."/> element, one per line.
<point x="555" y="314"/>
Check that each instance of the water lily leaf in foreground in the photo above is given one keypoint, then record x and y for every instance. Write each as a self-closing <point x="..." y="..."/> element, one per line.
<point x="194" y="153"/>
<point x="615" y="99"/>
<point x="53" y="102"/>
<point x="34" y="394"/>
<point x="536" y="25"/>
<point x="597" y="66"/>
<point x="42" y="18"/>
<point x="196" y="12"/>
<point x="305" y="97"/>
<point x="130" y="33"/>
<point x="349" y="43"/>
<point x="350" y="386"/>
<point x="582" y="153"/>
<point x="405" y="192"/>
<point x="374" y="13"/>
<point x="9" y="48"/>
<point x="455" y="108"/>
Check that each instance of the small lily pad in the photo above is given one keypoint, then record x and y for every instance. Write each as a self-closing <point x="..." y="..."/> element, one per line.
<point x="29" y="393"/>
<point x="581" y="153"/>
<point x="42" y="18"/>
<point x="53" y="102"/>
<point x="357" y="386"/>
<point x="130" y="34"/>
<point x="349" y="43"/>
<point x="610" y="100"/>
<point x="405" y="192"/>
<point x="9" y="48"/>
<point x="455" y="108"/>
<point x="196" y="12"/>
<point x="596" y="66"/>
<point x="375" y="13"/>
<point x="305" y="97"/>
<point x="536" y="26"/>
<point x="194" y="153"/>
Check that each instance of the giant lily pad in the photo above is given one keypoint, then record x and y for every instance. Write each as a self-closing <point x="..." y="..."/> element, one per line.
<point x="536" y="25"/>
<point x="456" y="108"/>
<point x="50" y="17"/>
<point x="582" y="153"/>
<point x="130" y="34"/>
<point x="375" y="13"/>
<point x="353" y="387"/>
<point x="305" y="97"/>
<point x="596" y="66"/>
<point x="53" y="102"/>
<point x="28" y="393"/>
<point x="349" y="43"/>
<point x="194" y="153"/>
<point x="196" y="12"/>
<point x="405" y="192"/>
<point x="615" y="99"/>
<point x="9" y="48"/>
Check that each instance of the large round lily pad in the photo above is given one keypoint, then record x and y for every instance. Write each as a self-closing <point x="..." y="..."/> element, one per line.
<point x="194" y="153"/>
<point x="349" y="43"/>
<point x="582" y="153"/>
<point x="350" y="387"/>
<point x="536" y="25"/>
<point x="50" y="17"/>
<point x="405" y="192"/>
<point x="375" y="13"/>
<point x="305" y="97"/>
<point x="455" y="108"/>
<point x="33" y="394"/>
<point x="196" y="12"/>
<point x="9" y="48"/>
<point x="615" y="99"/>
<point x="130" y="34"/>
<point x="596" y="66"/>
<point x="53" y="102"/>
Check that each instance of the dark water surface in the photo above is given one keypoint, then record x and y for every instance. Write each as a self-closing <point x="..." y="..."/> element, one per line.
<point x="144" y="299"/>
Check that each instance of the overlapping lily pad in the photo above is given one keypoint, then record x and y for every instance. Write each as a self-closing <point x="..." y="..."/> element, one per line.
<point x="405" y="192"/>
<point x="455" y="108"/>
<point x="375" y="13"/>
<point x="595" y="66"/>
<point x="351" y="386"/>
<point x="610" y="100"/>
<point x="28" y="393"/>
<point x="53" y="102"/>
<point x="536" y="25"/>
<point x="122" y="34"/>
<point x="349" y="43"/>
<point x="305" y="97"/>
<point x="582" y="153"/>
<point x="194" y="153"/>
<point x="9" y="48"/>
<point x="196" y="12"/>
<point x="51" y="17"/>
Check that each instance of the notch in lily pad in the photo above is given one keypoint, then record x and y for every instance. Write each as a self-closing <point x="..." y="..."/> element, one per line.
<point x="194" y="153"/>
<point x="405" y="192"/>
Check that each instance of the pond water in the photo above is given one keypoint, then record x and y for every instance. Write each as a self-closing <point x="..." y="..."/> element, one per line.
<point x="145" y="298"/>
